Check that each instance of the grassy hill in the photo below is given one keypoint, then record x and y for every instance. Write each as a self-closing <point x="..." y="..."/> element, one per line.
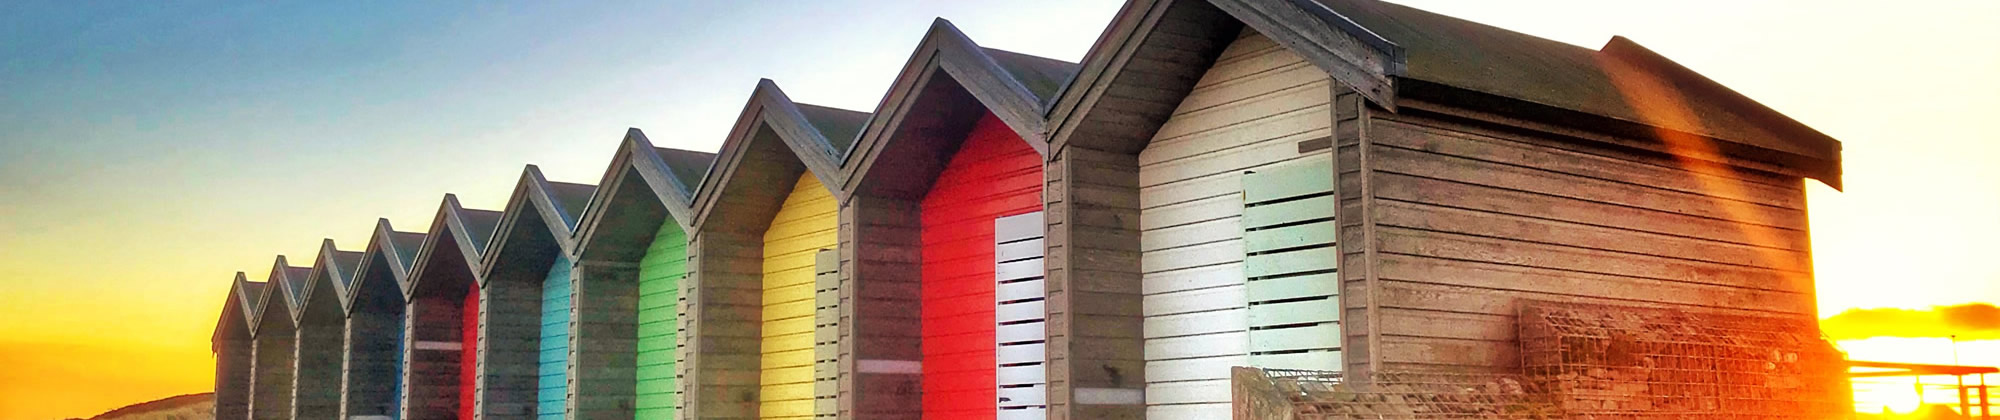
<point x="183" y="407"/>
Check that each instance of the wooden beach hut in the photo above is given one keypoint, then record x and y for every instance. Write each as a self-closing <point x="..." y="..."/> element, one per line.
<point x="954" y="152"/>
<point x="764" y="214"/>
<point x="441" y="322"/>
<point x="1359" y="186"/>
<point x="373" y="360"/>
<point x="320" y="326"/>
<point x="631" y="263"/>
<point x="525" y="320"/>
<point x="275" y="345"/>
<point x="231" y="345"/>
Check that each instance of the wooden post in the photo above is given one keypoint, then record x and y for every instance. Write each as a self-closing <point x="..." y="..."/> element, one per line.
<point x="1963" y="407"/>
<point x="1985" y="410"/>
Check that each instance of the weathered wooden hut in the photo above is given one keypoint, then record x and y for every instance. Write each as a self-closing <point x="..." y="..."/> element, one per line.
<point x="231" y="345"/>
<point x="372" y="365"/>
<point x="525" y="286"/>
<point x="1361" y="186"/>
<point x="441" y="321"/>
<point x="274" y="345"/>
<point x="631" y="262"/>
<point x="955" y="146"/>
<point x="762" y="216"/>
<point x="320" y="323"/>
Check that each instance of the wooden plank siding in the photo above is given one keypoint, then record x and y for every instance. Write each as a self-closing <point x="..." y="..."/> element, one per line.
<point x="806" y="223"/>
<point x="316" y="366"/>
<point x="826" y="334"/>
<point x="468" y="354"/>
<point x="373" y="345"/>
<point x="431" y="374"/>
<point x="1095" y="348"/>
<point x="661" y="272"/>
<point x="603" y="334"/>
<point x="510" y="349"/>
<point x="232" y="375"/>
<point x="552" y="362"/>
<point x="993" y="174"/>
<point x="271" y="354"/>
<point x="1459" y="219"/>
<point x="882" y="351"/>
<point x="1252" y="109"/>
<point x="1020" y="317"/>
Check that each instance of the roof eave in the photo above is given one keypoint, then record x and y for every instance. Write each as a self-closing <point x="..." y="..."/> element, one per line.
<point x="767" y="105"/>
<point x="944" y="48"/>
<point x="1422" y="96"/>
<point x="447" y="222"/>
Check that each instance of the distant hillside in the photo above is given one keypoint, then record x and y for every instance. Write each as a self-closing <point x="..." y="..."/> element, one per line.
<point x="183" y="407"/>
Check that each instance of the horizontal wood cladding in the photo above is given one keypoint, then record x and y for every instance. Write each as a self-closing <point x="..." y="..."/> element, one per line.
<point x="233" y="365"/>
<point x="317" y="363"/>
<point x="271" y="378"/>
<point x="880" y="304"/>
<point x="1466" y="218"/>
<point x="1164" y="48"/>
<point x="826" y="334"/>
<point x="725" y="310"/>
<point x="433" y="330"/>
<point x="807" y="222"/>
<point x="993" y="174"/>
<point x="1250" y="110"/>
<point x="661" y="273"/>
<point x="368" y="374"/>
<point x="603" y="335"/>
<point x="509" y="348"/>
<point x="553" y="342"/>
<point x="1095" y="353"/>
<point x="468" y="355"/>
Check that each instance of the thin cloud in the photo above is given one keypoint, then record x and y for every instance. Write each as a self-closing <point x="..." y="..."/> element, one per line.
<point x="1972" y="321"/>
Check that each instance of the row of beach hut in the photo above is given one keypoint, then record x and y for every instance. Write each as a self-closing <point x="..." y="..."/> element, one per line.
<point x="1336" y="185"/>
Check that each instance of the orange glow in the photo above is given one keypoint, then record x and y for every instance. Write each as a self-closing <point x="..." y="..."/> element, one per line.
<point x="42" y="382"/>
<point x="118" y="230"/>
<point x="1660" y="106"/>
<point x="1899" y="395"/>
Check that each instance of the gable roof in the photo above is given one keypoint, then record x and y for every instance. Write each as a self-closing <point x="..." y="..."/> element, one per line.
<point x="388" y="250"/>
<point x="284" y="284"/>
<point x="458" y="231"/>
<point x="651" y="184"/>
<point x="250" y="295"/>
<point x="947" y="84"/>
<point x="815" y="137"/>
<point x="331" y="268"/>
<point x="1397" y="56"/>
<point x="234" y="321"/>
<point x="538" y="223"/>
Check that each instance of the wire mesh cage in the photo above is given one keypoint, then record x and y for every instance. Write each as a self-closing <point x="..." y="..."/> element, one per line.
<point x="1616" y="362"/>
<point x="1320" y="395"/>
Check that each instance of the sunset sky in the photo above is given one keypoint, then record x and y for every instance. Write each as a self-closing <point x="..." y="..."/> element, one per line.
<point x="148" y="152"/>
